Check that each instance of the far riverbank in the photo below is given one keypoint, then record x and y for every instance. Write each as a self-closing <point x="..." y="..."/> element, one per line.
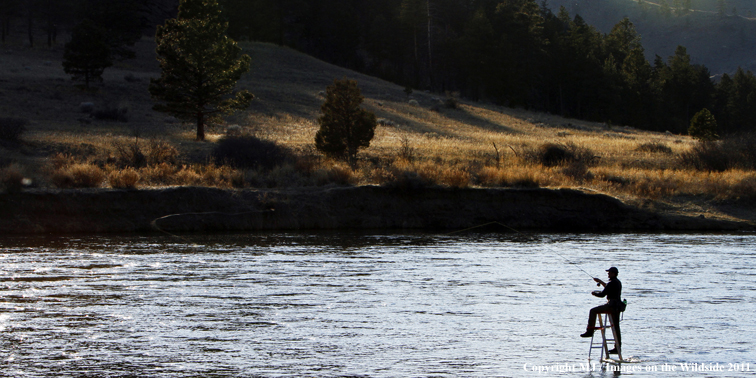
<point x="199" y="209"/>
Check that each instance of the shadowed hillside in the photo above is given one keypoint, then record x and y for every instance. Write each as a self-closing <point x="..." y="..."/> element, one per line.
<point x="720" y="41"/>
<point x="420" y="142"/>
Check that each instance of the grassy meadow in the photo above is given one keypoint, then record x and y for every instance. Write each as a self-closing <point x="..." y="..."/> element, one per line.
<point x="123" y="143"/>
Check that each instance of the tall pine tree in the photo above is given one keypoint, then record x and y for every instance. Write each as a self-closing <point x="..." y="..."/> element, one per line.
<point x="87" y="54"/>
<point x="201" y="66"/>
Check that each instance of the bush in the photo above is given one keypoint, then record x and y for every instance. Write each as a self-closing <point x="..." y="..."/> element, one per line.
<point x="654" y="148"/>
<point x="345" y="127"/>
<point x="78" y="176"/>
<point x="451" y="102"/>
<point x="249" y="152"/>
<point x="703" y="126"/>
<point x="11" y="129"/>
<point x="112" y="113"/>
<point x="336" y="174"/>
<point x="129" y="155"/>
<point x="554" y="154"/>
<point x="406" y="151"/>
<point x="706" y="156"/>
<point x="737" y="151"/>
<point x="456" y="178"/>
<point x="516" y="177"/>
<point x="61" y="160"/>
<point x="577" y="171"/>
<point x="11" y="178"/>
<point x="404" y="179"/>
<point x="132" y="155"/>
<point x="124" y="179"/>
<point x="160" y="151"/>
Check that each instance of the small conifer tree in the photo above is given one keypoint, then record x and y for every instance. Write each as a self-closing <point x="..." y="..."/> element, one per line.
<point x="200" y="64"/>
<point x="87" y="54"/>
<point x="344" y="126"/>
<point x="703" y="126"/>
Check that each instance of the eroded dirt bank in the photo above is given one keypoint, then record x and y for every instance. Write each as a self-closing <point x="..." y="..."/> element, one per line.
<point x="194" y="209"/>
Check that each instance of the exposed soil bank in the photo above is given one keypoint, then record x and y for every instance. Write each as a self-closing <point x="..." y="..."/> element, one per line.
<point x="195" y="209"/>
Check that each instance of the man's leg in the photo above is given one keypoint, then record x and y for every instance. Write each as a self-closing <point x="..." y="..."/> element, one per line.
<point x="592" y="318"/>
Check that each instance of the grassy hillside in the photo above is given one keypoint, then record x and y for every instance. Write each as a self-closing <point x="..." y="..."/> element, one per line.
<point x="473" y="144"/>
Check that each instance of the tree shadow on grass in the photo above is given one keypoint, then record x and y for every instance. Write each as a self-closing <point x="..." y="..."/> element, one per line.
<point x="461" y="115"/>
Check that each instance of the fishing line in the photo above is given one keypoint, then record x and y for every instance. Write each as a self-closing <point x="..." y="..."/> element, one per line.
<point x="154" y="225"/>
<point x="508" y="227"/>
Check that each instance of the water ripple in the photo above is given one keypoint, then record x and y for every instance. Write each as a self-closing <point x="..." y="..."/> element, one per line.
<point x="330" y="304"/>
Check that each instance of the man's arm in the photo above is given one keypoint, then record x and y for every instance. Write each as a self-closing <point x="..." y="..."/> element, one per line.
<point x="602" y="293"/>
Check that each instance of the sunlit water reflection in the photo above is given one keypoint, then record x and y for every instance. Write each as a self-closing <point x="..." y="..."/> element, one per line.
<point x="398" y="305"/>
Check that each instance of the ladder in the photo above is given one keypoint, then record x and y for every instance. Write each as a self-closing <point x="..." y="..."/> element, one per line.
<point x="605" y="321"/>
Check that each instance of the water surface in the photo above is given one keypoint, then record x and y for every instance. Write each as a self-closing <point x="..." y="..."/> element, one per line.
<point x="372" y="305"/>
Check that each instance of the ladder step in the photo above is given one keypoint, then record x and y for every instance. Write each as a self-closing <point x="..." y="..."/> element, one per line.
<point x="605" y="325"/>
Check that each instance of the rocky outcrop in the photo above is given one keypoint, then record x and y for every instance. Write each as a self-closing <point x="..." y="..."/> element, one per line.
<point x="194" y="209"/>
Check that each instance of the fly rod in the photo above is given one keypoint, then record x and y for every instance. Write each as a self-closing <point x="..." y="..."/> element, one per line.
<point x="508" y="227"/>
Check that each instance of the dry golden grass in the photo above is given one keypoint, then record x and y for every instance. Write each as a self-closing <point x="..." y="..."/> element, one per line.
<point x="476" y="144"/>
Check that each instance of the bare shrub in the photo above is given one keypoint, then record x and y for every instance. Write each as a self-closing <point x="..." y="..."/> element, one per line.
<point x="160" y="151"/>
<point x="78" y="176"/>
<point x="129" y="154"/>
<point x="285" y="175"/>
<point x="187" y="176"/>
<point x="707" y="156"/>
<point x="518" y="177"/>
<point x="127" y="178"/>
<point x="132" y="154"/>
<point x="555" y="154"/>
<point x="110" y="112"/>
<point x="11" y="129"/>
<point x="455" y="178"/>
<point x="214" y="175"/>
<point x="655" y="187"/>
<point x="12" y="178"/>
<point x="158" y="174"/>
<point x="745" y="188"/>
<point x="405" y="176"/>
<point x="654" y="148"/>
<point x="61" y="160"/>
<point x="736" y="151"/>
<point x="249" y="152"/>
<point x="406" y="151"/>
<point x="406" y="180"/>
<point x="578" y="171"/>
<point x="451" y="102"/>
<point x="340" y="174"/>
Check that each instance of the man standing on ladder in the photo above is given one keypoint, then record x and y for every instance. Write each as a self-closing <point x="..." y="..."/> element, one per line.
<point x="612" y="291"/>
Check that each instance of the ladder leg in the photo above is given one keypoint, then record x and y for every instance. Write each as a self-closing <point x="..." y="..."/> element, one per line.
<point x="605" y="349"/>
<point x="618" y="347"/>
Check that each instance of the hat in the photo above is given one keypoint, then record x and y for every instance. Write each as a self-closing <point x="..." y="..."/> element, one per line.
<point x="613" y="270"/>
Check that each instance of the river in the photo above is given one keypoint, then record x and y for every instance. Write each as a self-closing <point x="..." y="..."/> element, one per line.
<point x="371" y="305"/>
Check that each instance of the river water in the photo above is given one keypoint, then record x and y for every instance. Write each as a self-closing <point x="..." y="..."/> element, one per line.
<point x="371" y="305"/>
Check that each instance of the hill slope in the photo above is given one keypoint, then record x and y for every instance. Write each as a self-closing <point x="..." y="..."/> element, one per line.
<point x="720" y="43"/>
<point x="425" y="143"/>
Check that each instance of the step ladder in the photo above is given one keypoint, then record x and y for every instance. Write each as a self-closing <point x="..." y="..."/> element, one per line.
<point x="605" y="321"/>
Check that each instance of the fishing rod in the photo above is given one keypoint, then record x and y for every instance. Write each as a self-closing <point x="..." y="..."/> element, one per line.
<point x="508" y="227"/>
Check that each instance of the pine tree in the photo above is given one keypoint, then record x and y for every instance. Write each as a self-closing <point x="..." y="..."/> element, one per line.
<point x="721" y="8"/>
<point x="664" y="8"/>
<point x="703" y="126"/>
<point x="122" y="22"/>
<point x="622" y="39"/>
<point x="344" y="126"/>
<point x="201" y="66"/>
<point x="87" y="54"/>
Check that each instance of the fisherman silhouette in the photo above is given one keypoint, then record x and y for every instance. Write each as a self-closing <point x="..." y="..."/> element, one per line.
<point x="612" y="291"/>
